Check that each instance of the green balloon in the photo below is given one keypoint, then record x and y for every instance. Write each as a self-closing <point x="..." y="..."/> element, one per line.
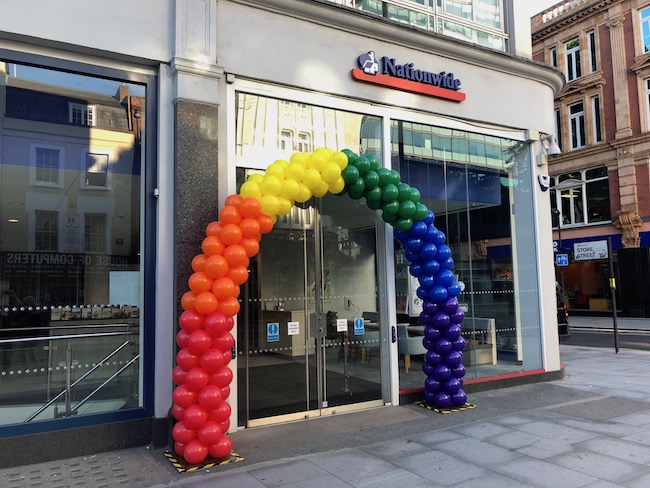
<point x="373" y="194"/>
<point x="374" y="162"/>
<point x="371" y="178"/>
<point x="389" y="193"/>
<point x="389" y="218"/>
<point x="391" y="207"/>
<point x="357" y="187"/>
<point x="351" y="156"/>
<point x="350" y="174"/>
<point x="363" y="165"/>
<point x="404" y="190"/>
<point x="407" y="209"/>
<point x="395" y="177"/>
<point x="421" y="212"/>
<point x="415" y="195"/>
<point x="404" y="224"/>
<point x="342" y="192"/>
<point x="373" y="204"/>
<point x="384" y="176"/>
<point x="355" y="194"/>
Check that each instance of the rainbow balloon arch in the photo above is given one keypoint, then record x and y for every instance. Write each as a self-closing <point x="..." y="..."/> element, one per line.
<point x="202" y="374"/>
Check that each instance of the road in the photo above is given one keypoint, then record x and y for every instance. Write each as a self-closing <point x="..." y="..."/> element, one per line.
<point x="633" y="333"/>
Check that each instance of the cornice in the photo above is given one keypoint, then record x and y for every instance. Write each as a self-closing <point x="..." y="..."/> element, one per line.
<point x="565" y="20"/>
<point x="593" y="81"/>
<point x="641" y="63"/>
<point x="350" y="20"/>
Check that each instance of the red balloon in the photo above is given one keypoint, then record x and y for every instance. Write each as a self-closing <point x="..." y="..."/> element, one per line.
<point x="224" y="288"/>
<point x="236" y="255"/>
<point x="178" y="412"/>
<point x="182" y="338"/>
<point x="212" y="360"/>
<point x="179" y="447"/>
<point x="199" y="342"/>
<point x="238" y="274"/>
<point x="191" y="320"/>
<point x="251" y="245"/>
<point x="181" y="433"/>
<point x="187" y="360"/>
<point x="229" y="215"/>
<point x="179" y="375"/>
<point x="231" y="234"/>
<point x="216" y="322"/>
<point x="197" y="379"/>
<point x="223" y="342"/>
<point x="213" y="229"/>
<point x="222" y="377"/>
<point x="266" y="223"/>
<point x="249" y="228"/>
<point x="195" y="452"/>
<point x="187" y="300"/>
<point x="225" y="426"/>
<point x="231" y="323"/>
<point x="220" y="449"/>
<point x="212" y="246"/>
<point x="221" y="413"/>
<point x="229" y="306"/>
<point x="216" y="266"/>
<point x="184" y="397"/>
<point x="234" y="200"/>
<point x="210" y="397"/>
<point x="210" y="433"/>
<point x="198" y="262"/>
<point x="225" y="392"/>
<point x="195" y="416"/>
<point x="206" y="303"/>
<point x="249" y="208"/>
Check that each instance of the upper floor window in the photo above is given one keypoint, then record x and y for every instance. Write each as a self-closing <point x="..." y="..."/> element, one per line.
<point x="577" y="124"/>
<point x="645" y="28"/>
<point x="646" y="84"/>
<point x="595" y="110"/>
<point x="95" y="232"/>
<point x="593" y="64"/>
<point x="46" y="230"/>
<point x="286" y="140"/>
<point x="46" y="165"/>
<point x="96" y="170"/>
<point x="304" y="142"/>
<point x="572" y="54"/>
<point x="558" y="127"/>
<point x="552" y="55"/>
<point x="583" y="197"/>
<point x="82" y="114"/>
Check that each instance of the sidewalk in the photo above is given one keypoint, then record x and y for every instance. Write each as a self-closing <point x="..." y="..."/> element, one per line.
<point x="607" y="323"/>
<point x="591" y="429"/>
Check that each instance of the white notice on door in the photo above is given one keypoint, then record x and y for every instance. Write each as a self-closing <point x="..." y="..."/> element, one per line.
<point x="341" y="325"/>
<point x="293" y="328"/>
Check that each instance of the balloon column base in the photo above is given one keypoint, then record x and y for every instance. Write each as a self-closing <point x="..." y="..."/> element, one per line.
<point x="183" y="466"/>
<point x="433" y="408"/>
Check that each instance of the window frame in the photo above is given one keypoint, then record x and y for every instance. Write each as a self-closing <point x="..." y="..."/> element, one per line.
<point x="577" y="133"/>
<point x="556" y="198"/>
<point x="592" y="51"/>
<point x="644" y="24"/>
<point x="572" y="60"/>
<point x="85" y="152"/>
<point x="552" y="56"/>
<point x="33" y="165"/>
<point x="596" y="119"/>
<point x="85" y="110"/>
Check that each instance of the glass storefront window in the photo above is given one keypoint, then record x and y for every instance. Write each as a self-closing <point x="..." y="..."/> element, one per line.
<point x="70" y="243"/>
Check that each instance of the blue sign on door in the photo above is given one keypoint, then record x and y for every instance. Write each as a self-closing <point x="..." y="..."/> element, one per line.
<point x="273" y="332"/>
<point x="359" y="328"/>
<point x="562" y="260"/>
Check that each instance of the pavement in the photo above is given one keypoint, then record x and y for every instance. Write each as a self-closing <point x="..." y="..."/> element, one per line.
<point x="589" y="429"/>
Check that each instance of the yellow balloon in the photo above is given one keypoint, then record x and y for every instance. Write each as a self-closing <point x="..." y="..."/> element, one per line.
<point x="337" y="186"/>
<point x="256" y="177"/>
<point x="275" y="170"/>
<point x="289" y="189"/>
<point x="316" y="161"/>
<point x="285" y="206"/>
<point x="271" y="185"/>
<point x="312" y="178"/>
<point x="304" y="193"/>
<point x="325" y="151"/>
<point x="321" y="189"/>
<point x="250" y="189"/>
<point x="300" y="158"/>
<point x="340" y="159"/>
<point x="295" y="171"/>
<point x="331" y="172"/>
<point x="269" y="205"/>
<point x="282" y="163"/>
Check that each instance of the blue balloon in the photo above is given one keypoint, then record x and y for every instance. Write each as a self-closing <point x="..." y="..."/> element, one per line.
<point x="429" y="306"/>
<point x="433" y="358"/>
<point x="458" y="372"/>
<point x="431" y="235"/>
<point x="431" y="266"/>
<point x="426" y="281"/>
<point x="453" y="332"/>
<point x="457" y="317"/>
<point x="427" y="369"/>
<point x="444" y="252"/>
<point x="447" y="264"/>
<point x="422" y="293"/>
<point x="432" y="333"/>
<point x="458" y="344"/>
<point x="452" y="385"/>
<point x="414" y="244"/>
<point x="450" y="305"/>
<point x="429" y="218"/>
<point x="440" y="238"/>
<point x="442" y="399"/>
<point x="441" y="320"/>
<point x="415" y="269"/>
<point x="444" y="346"/>
<point x="400" y="235"/>
<point x="445" y="277"/>
<point x="438" y="293"/>
<point x="425" y="318"/>
<point x="419" y="229"/>
<point x="442" y="372"/>
<point x="453" y="290"/>
<point x="458" y="399"/>
<point x="428" y="251"/>
<point x="453" y="359"/>
<point x="433" y="385"/>
<point x="412" y="257"/>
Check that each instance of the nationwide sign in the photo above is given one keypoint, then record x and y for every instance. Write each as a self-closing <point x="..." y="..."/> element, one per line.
<point x="405" y="77"/>
<point x="586" y="251"/>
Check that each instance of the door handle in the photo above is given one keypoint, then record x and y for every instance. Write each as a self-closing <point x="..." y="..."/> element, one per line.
<point x="393" y="334"/>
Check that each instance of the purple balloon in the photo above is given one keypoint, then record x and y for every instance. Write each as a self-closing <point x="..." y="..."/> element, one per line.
<point x="427" y="369"/>
<point x="453" y="359"/>
<point x="426" y="281"/>
<point x="459" y="398"/>
<point x="429" y="306"/>
<point x="433" y="385"/>
<point x="429" y="344"/>
<point x="419" y="229"/>
<point x="432" y="333"/>
<point x="414" y="244"/>
<point x="452" y="385"/>
<point x="425" y="318"/>
<point x="441" y="320"/>
<point x="433" y="358"/>
<point x="431" y="267"/>
<point x="450" y="305"/>
<point x="457" y="317"/>
<point x="415" y="270"/>
<point x="458" y="344"/>
<point x="453" y="332"/>
<point x="442" y="372"/>
<point x="422" y="293"/>
<point x="445" y="277"/>
<point x="412" y="257"/>
<point x="458" y="372"/>
<point x="443" y="346"/>
<point x="428" y="251"/>
<point x="438" y="293"/>
<point x="429" y="398"/>
<point x="447" y="263"/>
<point x="442" y="399"/>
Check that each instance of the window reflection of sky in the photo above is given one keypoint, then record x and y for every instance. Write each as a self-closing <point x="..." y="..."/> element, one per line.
<point x="70" y="80"/>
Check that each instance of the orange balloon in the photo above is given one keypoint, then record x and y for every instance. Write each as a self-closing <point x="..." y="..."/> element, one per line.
<point x="249" y="227"/>
<point x="212" y="245"/>
<point x="266" y="223"/>
<point x="229" y="306"/>
<point x="206" y="303"/>
<point x="216" y="266"/>
<point x="229" y="215"/>
<point x="251" y="245"/>
<point x="200" y="282"/>
<point x="249" y="208"/>
<point x="236" y="255"/>
<point x="225" y="288"/>
<point x="234" y="200"/>
<point x="238" y="274"/>
<point x="187" y="300"/>
<point x="231" y="234"/>
<point x="198" y="262"/>
<point x="213" y="229"/>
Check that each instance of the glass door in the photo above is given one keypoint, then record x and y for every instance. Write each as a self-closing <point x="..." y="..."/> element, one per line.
<point x="309" y="335"/>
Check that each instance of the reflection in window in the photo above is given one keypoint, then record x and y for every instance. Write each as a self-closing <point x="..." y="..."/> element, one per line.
<point x="586" y="201"/>
<point x="47" y="165"/>
<point x="645" y="28"/>
<point x="95" y="232"/>
<point x="46" y="230"/>
<point x="96" y="169"/>
<point x="304" y="142"/>
<point x="82" y="114"/>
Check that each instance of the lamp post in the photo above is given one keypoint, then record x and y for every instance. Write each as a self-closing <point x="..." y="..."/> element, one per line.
<point x="558" y="214"/>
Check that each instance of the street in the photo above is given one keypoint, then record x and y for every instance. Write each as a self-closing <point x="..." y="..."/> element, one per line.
<point x="633" y="333"/>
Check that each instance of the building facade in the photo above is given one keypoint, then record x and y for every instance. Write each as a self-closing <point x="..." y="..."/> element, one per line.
<point x="102" y="213"/>
<point x="599" y="183"/>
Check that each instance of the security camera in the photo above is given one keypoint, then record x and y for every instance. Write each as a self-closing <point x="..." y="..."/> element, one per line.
<point x="550" y="145"/>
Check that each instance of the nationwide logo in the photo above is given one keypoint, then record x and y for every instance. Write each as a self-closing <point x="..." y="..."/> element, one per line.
<point x="387" y="72"/>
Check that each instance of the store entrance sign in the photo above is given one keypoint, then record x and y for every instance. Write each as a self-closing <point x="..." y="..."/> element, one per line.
<point x="586" y="251"/>
<point x="562" y="260"/>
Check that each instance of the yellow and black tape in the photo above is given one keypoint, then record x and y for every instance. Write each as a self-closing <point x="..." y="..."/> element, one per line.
<point x="183" y="467"/>
<point x="467" y="406"/>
